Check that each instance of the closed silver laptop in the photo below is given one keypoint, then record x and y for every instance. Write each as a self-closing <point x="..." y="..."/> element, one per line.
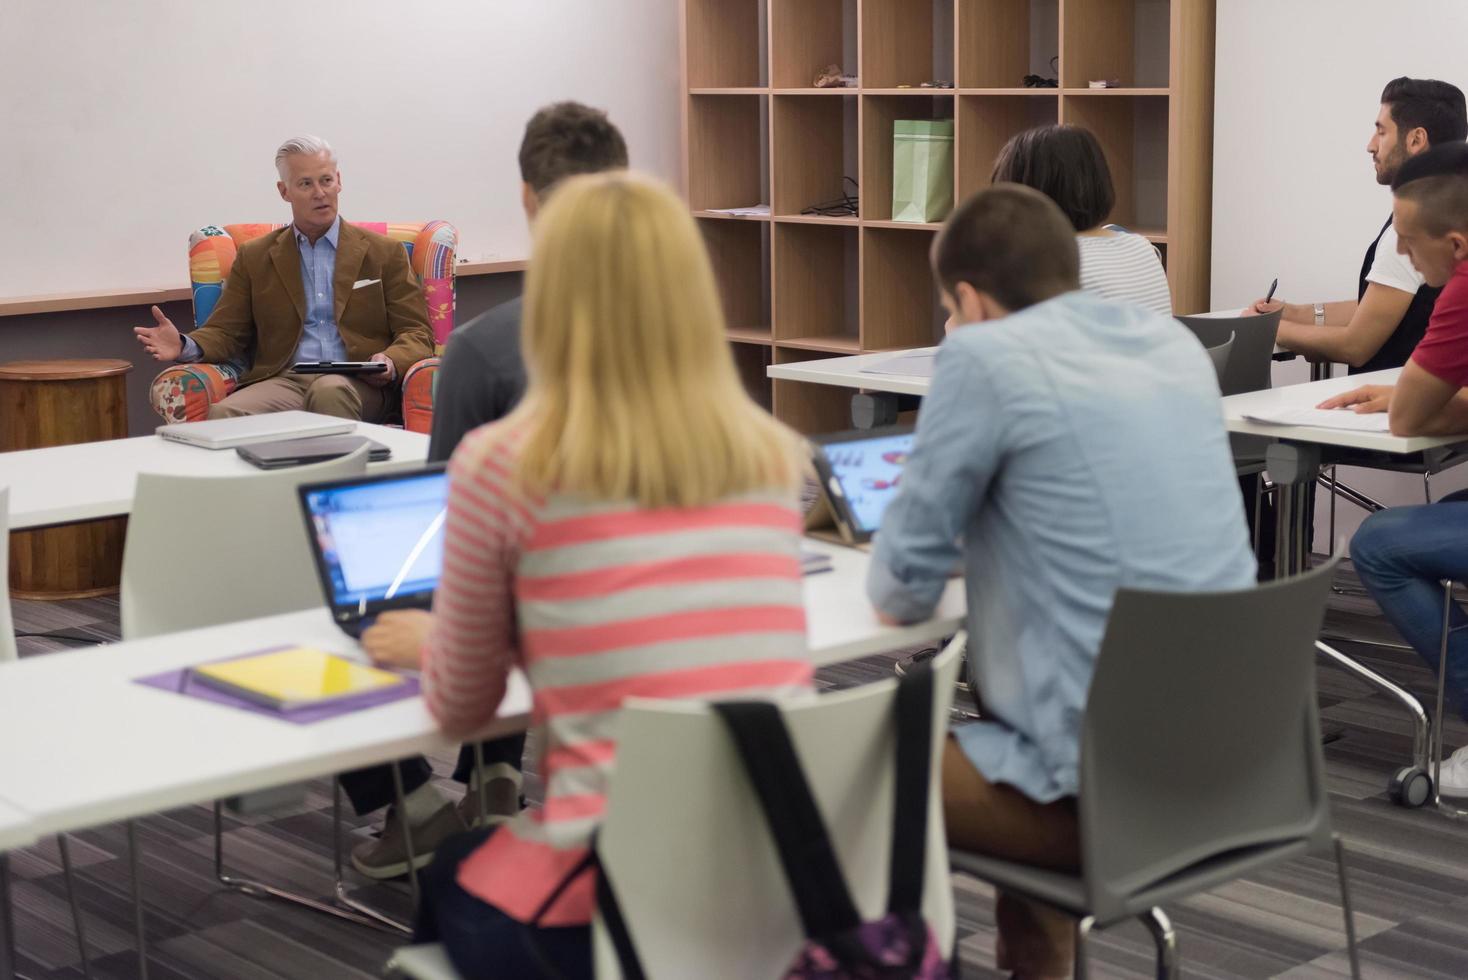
<point x="271" y="427"/>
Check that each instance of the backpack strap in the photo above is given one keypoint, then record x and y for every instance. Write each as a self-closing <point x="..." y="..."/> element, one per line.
<point x="801" y="840"/>
<point x="911" y="784"/>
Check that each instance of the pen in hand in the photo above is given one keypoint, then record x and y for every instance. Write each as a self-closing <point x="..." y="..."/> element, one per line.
<point x="1272" y="287"/>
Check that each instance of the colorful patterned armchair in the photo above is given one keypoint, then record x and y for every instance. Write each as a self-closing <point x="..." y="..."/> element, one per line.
<point x="184" y="392"/>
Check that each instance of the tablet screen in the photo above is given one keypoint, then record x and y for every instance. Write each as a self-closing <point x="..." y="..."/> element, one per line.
<point x="869" y="471"/>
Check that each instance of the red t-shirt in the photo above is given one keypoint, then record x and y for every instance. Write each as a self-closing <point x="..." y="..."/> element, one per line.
<point x="1443" y="350"/>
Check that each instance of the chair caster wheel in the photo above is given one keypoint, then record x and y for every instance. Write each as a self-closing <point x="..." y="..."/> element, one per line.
<point x="1410" y="787"/>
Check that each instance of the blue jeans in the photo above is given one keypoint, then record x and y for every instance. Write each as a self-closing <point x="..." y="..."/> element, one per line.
<point x="482" y="941"/>
<point x="1402" y="555"/>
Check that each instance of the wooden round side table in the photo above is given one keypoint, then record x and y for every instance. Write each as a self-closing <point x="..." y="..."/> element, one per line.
<point x="56" y="403"/>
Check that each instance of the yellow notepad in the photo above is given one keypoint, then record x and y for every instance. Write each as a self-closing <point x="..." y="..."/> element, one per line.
<point x="295" y="677"/>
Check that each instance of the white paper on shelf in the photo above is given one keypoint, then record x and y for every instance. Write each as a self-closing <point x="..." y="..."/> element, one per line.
<point x="1324" y="418"/>
<point x="756" y="211"/>
<point x="913" y="364"/>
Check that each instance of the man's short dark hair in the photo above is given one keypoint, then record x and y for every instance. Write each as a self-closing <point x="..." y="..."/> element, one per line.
<point x="1428" y="104"/>
<point x="567" y="139"/>
<point x="1067" y="165"/>
<point x="1437" y="181"/>
<point x="1010" y="242"/>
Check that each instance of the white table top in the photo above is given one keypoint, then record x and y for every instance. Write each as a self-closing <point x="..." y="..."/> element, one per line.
<point x="163" y="750"/>
<point x="847" y="372"/>
<point x="1311" y="394"/>
<point x="89" y="480"/>
<point x="16" y="828"/>
<point x="851" y="371"/>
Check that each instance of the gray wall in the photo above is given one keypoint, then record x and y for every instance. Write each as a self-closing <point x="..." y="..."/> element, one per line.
<point x="108" y="333"/>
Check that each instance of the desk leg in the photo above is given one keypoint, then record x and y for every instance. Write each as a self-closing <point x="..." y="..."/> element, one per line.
<point x="1294" y="468"/>
<point x="8" y="965"/>
<point x="140" y="933"/>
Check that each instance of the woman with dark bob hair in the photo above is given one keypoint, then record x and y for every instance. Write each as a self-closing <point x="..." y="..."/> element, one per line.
<point x="1067" y="165"/>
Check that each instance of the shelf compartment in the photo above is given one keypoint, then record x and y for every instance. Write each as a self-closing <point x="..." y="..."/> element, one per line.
<point x="986" y="123"/>
<point x="810" y="409"/>
<point x="808" y="35"/>
<point x="760" y="337"/>
<point x="1127" y="40"/>
<point x="899" y="303"/>
<point x="726" y="158"/>
<point x="815" y="296"/>
<point x="879" y="114"/>
<point x="724" y="40"/>
<point x="1132" y="132"/>
<point x="751" y="361"/>
<point x="814" y="149"/>
<point x="906" y="43"/>
<point x="740" y="255"/>
<point x="1002" y="41"/>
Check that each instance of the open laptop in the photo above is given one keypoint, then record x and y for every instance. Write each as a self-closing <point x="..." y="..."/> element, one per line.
<point x="859" y="474"/>
<point x="270" y="427"/>
<point x="377" y="541"/>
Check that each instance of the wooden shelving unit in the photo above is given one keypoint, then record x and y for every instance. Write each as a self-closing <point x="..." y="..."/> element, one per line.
<point x="798" y="286"/>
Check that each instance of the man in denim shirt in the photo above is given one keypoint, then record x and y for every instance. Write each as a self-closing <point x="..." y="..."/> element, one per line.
<point x="1069" y="446"/>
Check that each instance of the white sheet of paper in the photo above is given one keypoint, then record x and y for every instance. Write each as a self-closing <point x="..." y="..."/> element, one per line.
<point x="1325" y="418"/>
<point x="916" y="364"/>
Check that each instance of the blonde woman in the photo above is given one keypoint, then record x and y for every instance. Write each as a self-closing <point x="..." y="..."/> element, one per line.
<point x="631" y="529"/>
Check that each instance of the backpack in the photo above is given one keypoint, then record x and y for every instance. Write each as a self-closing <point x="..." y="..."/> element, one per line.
<point x="900" y="945"/>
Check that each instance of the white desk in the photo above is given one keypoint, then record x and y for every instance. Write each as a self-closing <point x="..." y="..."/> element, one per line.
<point x="852" y="371"/>
<point x="17" y="830"/>
<point x="90" y="480"/>
<point x="164" y="750"/>
<point x="1292" y="461"/>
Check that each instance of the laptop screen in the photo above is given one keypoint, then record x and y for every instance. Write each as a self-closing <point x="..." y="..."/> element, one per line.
<point x="380" y="539"/>
<point x="869" y="471"/>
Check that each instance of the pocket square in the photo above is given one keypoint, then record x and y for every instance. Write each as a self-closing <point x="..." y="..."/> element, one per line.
<point x="364" y="282"/>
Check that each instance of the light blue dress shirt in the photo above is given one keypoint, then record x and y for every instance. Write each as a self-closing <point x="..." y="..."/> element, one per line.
<point x="1063" y="452"/>
<point x="320" y="339"/>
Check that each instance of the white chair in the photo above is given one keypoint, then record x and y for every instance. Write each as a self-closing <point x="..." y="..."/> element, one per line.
<point x="207" y="550"/>
<point x="695" y="872"/>
<point x="7" y="625"/>
<point x="690" y="857"/>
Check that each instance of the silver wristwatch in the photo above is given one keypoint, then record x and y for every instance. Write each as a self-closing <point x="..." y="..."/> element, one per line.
<point x="1320" y="314"/>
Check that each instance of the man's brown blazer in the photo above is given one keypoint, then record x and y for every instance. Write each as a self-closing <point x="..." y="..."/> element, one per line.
<point x="263" y="306"/>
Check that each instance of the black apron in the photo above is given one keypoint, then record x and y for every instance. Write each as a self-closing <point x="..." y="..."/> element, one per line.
<point x="1399" y="346"/>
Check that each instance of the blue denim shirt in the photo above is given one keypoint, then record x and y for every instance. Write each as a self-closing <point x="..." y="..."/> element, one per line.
<point x="1063" y="452"/>
<point x="320" y="339"/>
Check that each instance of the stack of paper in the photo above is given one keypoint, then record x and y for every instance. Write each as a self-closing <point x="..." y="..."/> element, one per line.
<point x="757" y="211"/>
<point x="1323" y="418"/>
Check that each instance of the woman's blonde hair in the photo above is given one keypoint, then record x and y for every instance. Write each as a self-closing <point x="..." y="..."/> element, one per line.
<point x="633" y="391"/>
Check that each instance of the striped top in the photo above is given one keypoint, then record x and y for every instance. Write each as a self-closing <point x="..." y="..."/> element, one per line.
<point x="1124" y="268"/>
<point x="597" y="602"/>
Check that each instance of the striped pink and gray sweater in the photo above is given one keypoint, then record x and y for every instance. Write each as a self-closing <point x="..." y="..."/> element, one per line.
<point x="597" y="602"/>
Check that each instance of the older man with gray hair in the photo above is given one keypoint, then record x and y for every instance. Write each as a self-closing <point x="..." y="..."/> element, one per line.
<point x="316" y="290"/>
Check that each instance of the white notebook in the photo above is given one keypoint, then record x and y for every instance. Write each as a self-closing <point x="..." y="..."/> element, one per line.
<point x="271" y="427"/>
<point x="1323" y="418"/>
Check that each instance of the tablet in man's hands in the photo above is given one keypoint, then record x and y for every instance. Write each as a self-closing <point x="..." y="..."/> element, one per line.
<point x="339" y="367"/>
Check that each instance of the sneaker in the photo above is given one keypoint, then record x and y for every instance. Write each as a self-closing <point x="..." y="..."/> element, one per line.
<point x="385" y="856"/>
<point x="1453" y="781"/>
<point x="502" y="802"/>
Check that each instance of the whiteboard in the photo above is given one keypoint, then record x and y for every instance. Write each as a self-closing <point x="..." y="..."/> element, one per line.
<point x="124" y="126"/>
<point x="1298" y="85"/>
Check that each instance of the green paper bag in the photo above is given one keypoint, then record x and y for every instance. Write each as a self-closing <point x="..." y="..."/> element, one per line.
<point x="922" y="169"/>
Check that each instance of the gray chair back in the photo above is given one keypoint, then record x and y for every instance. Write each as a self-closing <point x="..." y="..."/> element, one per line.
<point x="1219" y="355"/>
<point x="1201" y="736"/>
<point x="1252" y="356"/>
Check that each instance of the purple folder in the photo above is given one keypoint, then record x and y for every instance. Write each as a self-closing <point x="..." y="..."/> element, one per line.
<point x="183" y="682"/>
